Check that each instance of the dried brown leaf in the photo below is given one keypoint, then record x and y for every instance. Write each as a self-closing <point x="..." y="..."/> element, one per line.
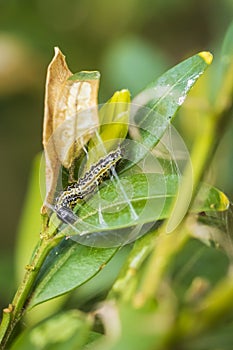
<point x="70" y="117"/>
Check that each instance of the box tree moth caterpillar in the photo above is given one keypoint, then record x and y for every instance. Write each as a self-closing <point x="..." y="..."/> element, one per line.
<point x="86" y="185"/>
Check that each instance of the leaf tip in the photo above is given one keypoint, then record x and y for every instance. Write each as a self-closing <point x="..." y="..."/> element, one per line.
<point x="224" y="201"/>
<point x="206" y="56"/>
<point x="124" y="95"/>
<point x="120" y="96"/>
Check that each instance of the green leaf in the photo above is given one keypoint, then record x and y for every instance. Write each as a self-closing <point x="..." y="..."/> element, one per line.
<point x="137" y="199"/>
<point x="68" y="330"/>
<point x="160" y="101"/>
<point x="68" y="266"/>
<point x="114" y="121"/>
<point x="131" y="200"/>
<point x="210" y="199"/>
<point x="116" y="110"/>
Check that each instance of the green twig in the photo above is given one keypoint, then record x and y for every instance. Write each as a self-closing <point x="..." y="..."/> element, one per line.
<point x="126" y="283"/>
<point x="16" y="309"/>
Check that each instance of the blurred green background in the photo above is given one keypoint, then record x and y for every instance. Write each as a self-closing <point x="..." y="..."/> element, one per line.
<point x="130" y="42"/>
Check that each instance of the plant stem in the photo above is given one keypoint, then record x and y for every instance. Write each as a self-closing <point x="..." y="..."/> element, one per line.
<point x="167" y="245"/>
<point x="124" y="286"/>
<point x="14" y="312"/>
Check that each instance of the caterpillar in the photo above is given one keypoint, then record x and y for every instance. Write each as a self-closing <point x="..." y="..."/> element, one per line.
<point x="85" y="186"/>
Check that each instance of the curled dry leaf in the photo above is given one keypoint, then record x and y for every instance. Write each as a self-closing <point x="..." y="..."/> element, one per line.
<point x="70" y="117"/>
